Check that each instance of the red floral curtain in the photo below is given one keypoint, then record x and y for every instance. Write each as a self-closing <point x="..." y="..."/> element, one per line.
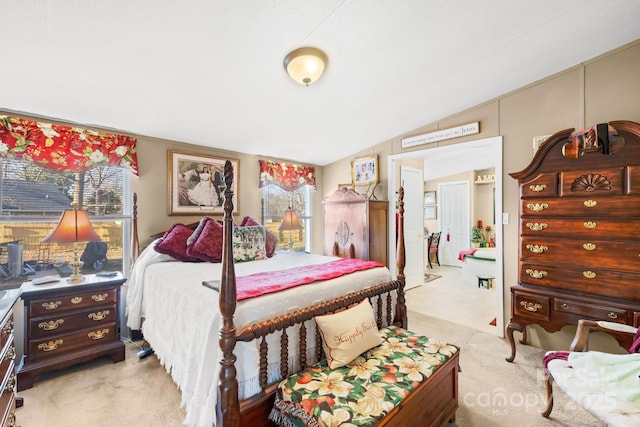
<point x="65" y="148"/>
<point x="287" y="176"/>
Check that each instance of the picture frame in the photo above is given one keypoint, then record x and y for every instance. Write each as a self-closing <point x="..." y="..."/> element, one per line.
<point x="196" y="183"/>
<point x="430" y="198"/>
<point x="430" y="212"/>
<point x="364" y="170"/>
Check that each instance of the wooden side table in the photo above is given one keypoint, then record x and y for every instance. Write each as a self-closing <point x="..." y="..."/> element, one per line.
<point x="68" y="323"/>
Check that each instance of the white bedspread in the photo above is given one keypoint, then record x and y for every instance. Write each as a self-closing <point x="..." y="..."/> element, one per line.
<point x="182" y="318"/>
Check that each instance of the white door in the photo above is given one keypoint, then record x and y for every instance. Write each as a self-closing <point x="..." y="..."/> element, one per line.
<point x="454" y="220"/>
<point x="411" y="180"/>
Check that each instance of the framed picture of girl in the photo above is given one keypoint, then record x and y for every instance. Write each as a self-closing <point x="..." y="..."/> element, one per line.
<point x="196" y="184"/>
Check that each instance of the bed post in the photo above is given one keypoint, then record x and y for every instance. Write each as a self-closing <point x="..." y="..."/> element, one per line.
<point x="227" y="405"/>
<point x="135" y="241"/>
<point x="401" y="307"/>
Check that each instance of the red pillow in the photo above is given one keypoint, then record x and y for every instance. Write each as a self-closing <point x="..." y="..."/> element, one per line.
<point x="271" y="240"/>
<point x="205" y="243"/>
<point x="174" y="243"/>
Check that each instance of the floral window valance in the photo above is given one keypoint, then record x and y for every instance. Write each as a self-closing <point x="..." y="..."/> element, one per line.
<point x="65" y="148"/>
<point x="287" y="176"/>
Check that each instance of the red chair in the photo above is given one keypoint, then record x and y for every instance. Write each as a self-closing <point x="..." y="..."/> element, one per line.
<point x="434" y="242"/>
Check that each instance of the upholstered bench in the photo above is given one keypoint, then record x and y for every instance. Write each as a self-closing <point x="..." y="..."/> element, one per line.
<point x="407" y="380"/>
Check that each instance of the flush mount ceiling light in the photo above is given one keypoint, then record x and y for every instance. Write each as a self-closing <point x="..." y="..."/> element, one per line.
<point x="305" y="65"/>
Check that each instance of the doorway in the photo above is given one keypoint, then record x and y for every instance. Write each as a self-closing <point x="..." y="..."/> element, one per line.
<point x="446" y="161"/>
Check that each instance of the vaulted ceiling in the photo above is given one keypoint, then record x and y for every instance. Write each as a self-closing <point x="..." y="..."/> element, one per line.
<point x="210" y="72"/>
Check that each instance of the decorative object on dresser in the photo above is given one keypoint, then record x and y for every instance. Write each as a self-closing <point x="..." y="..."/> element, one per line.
<point x="355" y="227"/>
<point x="65" y="325"/>
<point x="364" y="172"/>
<point x="8" y="399"/>
<point x="579" y="231"/>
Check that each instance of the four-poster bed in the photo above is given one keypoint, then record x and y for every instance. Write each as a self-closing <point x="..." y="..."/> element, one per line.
<point x="237" y="373"/>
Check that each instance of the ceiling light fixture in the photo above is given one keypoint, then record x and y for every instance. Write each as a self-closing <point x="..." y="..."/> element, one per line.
<point x="305" y="65"/>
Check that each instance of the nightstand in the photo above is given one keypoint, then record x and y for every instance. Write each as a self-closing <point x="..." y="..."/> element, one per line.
<point x="68" y="323"/>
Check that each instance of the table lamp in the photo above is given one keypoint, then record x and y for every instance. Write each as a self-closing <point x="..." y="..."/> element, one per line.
<point x="289" y="223"/>
<point x="74" y="226"/>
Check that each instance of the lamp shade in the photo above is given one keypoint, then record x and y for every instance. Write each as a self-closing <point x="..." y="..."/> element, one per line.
<point x="290" y="221"/>
<point x="74" y="226"/>
<point x="305" y="65"/>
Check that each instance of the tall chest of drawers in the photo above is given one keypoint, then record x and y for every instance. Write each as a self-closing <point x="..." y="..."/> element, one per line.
<point x="579" y="254"/>
<point x="67" y="324"/>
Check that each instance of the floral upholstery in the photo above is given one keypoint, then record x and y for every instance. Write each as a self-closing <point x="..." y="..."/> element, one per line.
<point x="365" y="390"/>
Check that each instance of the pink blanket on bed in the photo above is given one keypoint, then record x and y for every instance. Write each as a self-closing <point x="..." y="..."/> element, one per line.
<point x="258" y="284"/>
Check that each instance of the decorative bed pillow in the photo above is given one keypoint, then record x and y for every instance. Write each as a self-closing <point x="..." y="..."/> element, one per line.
<point x="249" y="243"/>
<point x="174" y="243"/>
<point x="271" y="239"/>
<point x="348" y="333"/>
<point x="205" y="243"/>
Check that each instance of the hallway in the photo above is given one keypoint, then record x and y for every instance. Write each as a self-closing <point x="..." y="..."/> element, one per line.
<point x="455" y="298"/>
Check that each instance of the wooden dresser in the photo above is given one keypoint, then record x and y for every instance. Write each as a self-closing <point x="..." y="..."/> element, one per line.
<point x="7" y="359"/>
<point x="355" y="226"/>
<point x="67" y="324"/>
<point x="579" y="253"/>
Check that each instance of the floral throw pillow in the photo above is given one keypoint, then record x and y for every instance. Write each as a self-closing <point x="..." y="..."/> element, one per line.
<point x="271" y="239"/>
<point x="348" y="333"/>
<point x="249" y="243"/>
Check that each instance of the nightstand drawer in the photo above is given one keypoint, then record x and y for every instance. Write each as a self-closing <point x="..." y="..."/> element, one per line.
<point x="56" y="325"/>
<point x="61" y="344"/>
<point x="62" y="303"/>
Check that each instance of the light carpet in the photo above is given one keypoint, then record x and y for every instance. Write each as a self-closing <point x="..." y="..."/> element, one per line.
<point x="139" y="392"/>
<point x="430" y="277"/>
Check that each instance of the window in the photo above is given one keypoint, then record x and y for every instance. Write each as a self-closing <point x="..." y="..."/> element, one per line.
<point x="32" y="199"/>
<point x="276" y="202"/>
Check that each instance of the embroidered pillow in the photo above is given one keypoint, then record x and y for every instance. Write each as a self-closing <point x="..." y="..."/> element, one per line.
<point x="249" y="243"/>
<point x="348" y="333"/>
<point x="174" y="243"/>
<point x="205" y="243"/>
<point x="271" y="239"/>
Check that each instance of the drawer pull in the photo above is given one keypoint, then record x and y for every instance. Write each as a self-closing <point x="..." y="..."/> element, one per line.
<point x="98" y="335"/>
<point x="51" y="305"/>
<point x="564" y="306"/>
<point x="589" y="246"/>
<point x="531" y="306"/>
<point x="590" y="203"/>
<point x="11" y="384"/>
<point x="536" y="274"/>
<point x="538" y="187"/>
<point x="537" y="249"/>
<point x="50" y="346"/>
<point x="76" y="300"/>
<point x="11" y="354"/>
<point x="612" y="315"/>
<point x="101" y="315"/>
<point x="590" y="225"/>
<point x="51" y="324"/>
<point x="537" y="207"/>
<point x="589" y="274"/>
<point x="8" y="327"/>
<point x="536" y="226"/>
<point x="99" y="297"/>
